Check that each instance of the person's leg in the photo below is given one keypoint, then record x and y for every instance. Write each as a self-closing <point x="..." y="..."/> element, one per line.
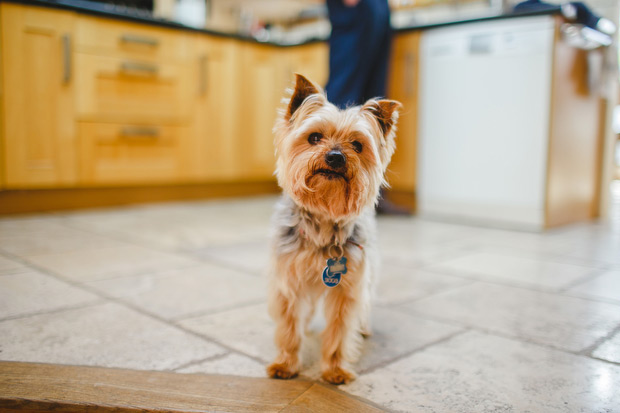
<point x="348" y="53"/>
<point x="381" y="48"/>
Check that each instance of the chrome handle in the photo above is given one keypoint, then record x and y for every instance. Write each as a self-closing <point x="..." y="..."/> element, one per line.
<point x="143" y="40"/>
<point x="409" y="73"/>
<point x="66" y="58"/>
<point x="203" y="67"/>
<point x="139" y="132"/>
<point x="147" y="68"/>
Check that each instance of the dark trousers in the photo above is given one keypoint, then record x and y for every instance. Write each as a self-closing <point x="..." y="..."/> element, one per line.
<point x="359" y="49"/>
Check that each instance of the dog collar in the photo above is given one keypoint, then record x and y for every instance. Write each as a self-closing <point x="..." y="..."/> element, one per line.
<point x="348" y="241"/>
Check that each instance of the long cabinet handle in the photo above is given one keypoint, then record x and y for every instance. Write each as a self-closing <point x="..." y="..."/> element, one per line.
<point x="203" y="66"/>
<point x="139" y="132"/>
<point x="66" y="58"/>
<point x="409" y="73"/>
<point x="148" y="68"/>
<point x="143" y="40"/>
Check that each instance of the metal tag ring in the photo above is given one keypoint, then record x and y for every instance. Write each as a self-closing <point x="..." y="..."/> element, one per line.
<point x="338" y="249"/>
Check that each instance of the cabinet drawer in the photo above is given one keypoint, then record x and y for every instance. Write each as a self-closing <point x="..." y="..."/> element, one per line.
<point x="126" y="39"/>
<point x="133" y="154"/>
<point x="128" y="90"/>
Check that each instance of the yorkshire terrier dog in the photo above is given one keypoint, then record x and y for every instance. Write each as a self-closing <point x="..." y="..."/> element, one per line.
<point x="330" y="165"/>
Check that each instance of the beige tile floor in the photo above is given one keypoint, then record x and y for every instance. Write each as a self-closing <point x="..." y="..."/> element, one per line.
<point x="467" y="319"/>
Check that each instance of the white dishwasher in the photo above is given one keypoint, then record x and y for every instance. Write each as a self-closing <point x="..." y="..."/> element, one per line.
<point x="484" y="109"/>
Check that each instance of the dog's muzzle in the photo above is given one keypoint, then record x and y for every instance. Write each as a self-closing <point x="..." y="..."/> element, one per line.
<point x="335" y="159"/>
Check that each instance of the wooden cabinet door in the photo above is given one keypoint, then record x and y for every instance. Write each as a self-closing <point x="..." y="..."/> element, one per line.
<point x="312" y="61"/>
<point x="217" y="118"/>
<point x="38" y="119"/>
<point x="265" y="76"/>
<point x="403" y="86"/>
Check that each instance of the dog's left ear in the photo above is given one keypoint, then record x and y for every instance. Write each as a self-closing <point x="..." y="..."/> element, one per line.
<point x="303" y="89"/>
<point x="385" y="111"/>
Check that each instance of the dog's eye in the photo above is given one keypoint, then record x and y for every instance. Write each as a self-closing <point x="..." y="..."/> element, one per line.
<point x="357" y="146"/>
<point x="314" y="138"/>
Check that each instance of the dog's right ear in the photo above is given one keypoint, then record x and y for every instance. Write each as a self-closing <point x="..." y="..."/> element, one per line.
<point x="303" y="89"/>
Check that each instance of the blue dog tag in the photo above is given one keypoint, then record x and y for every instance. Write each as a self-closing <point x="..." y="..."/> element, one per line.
<point x="332" y="274"/>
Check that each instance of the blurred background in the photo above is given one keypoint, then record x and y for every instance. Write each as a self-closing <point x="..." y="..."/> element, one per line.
<point x="508" y="107"/>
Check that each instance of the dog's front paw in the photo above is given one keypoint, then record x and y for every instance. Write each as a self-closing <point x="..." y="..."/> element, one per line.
<point x="338" y="375"/>
<point x="281" y="371"/>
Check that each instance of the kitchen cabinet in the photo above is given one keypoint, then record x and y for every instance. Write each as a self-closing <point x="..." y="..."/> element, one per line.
<point x="403" y="87"/>
<point x="217" y="119"/>
<point x="97" y="102"/>
<point x="38" y="128"/>
<point x="134" y="102"/>
<point x="264" y="78"/>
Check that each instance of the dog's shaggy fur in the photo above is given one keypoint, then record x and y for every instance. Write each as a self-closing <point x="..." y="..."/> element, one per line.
<point x="330" y="165"/>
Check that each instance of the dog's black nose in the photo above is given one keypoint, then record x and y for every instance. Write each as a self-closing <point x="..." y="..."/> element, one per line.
<point x="335" y="159"/>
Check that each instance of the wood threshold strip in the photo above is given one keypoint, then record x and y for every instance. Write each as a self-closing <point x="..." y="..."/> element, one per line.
<point x="33" y="387"/>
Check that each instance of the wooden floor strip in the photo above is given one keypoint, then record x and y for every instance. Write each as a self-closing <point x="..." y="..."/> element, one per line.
<point x="319" y="398"/>
<point x="46" y="387"/>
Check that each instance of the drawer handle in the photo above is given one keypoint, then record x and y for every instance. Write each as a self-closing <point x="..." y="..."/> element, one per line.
<point x="143" y="40"/>
<point x="139" y="132"/>
<point x="147" y="68"/>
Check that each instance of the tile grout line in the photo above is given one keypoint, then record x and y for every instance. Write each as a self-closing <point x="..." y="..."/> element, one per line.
<point x="424" y="263"/>
<point x="592" y="297"/>
<point x="119" y="236"/>
<point x="403" y="302"/>
<point x="92" y="303"/>
<point x="409" y="353"/>
<point x="590" y="349"/>
<point x="199" y="361"/>
<point x="217" y="310"/>
<point x="582" y="280"/>
<point x="545" y="256"/>
<point x="476" y="278"/>
<point x="220" y="263"/>
<point x="337" y="389"/>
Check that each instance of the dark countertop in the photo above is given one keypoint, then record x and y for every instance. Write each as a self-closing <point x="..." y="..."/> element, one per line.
<point x="116" y="12"/>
